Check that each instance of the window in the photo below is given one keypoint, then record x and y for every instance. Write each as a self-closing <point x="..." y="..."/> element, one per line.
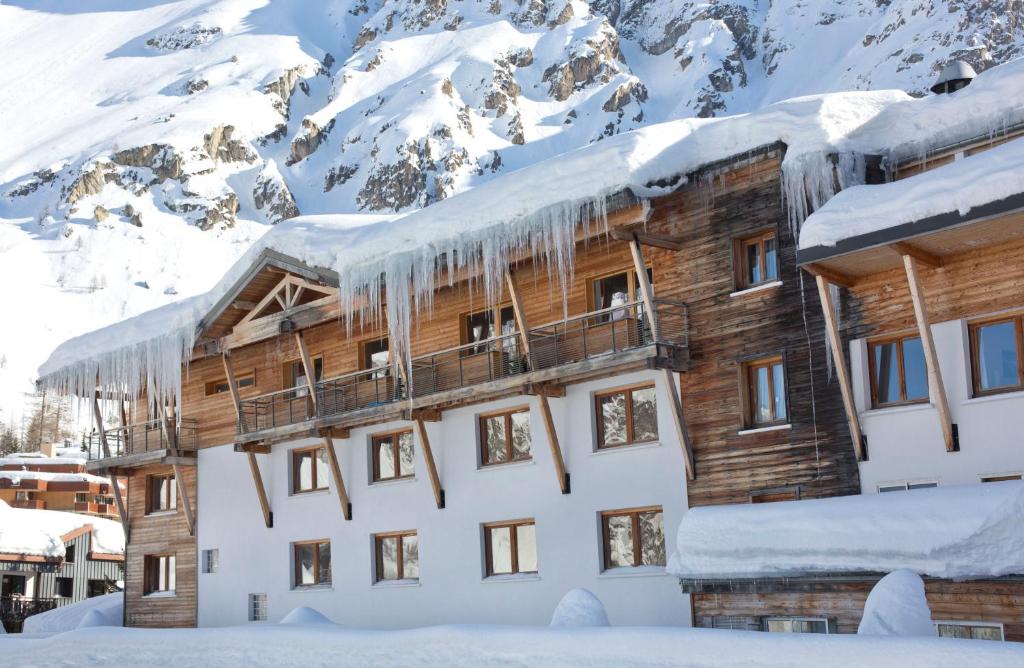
<point x="969" y="630"/>
<point x="96" y="588"/>
<point x="312" y="563"/>
<point x="756" y="260"/>
<point x="997" y="348"/>
<point x="633" y="537"/>
<point x="161" y="493"/>
<point x="376" y="357"/>
<point x="257" y="607"/>
<point x="1001" y="478"/>
<point x="295" y="375"/>
<point x="898" y="372"/>
<point x="765" y="392"/>
<point x="221" y="386"/>
<point x="487" y="324"/>
<point x="159" y="574"/>
<point x="398" y="556"/>
<point x="612" y="290"/>
<point x="69" y="554"/>
<point x="392" y="455"/>
<point x="904" y="486"/>
<point x="81" y="497"/>
<point x="626" y="416"/>
<point x="510" y="547"/>
<point x="796" y="625"/>
<point x="12" y="585"/>
<point x="65" y="587"/>
<point x="22" y="496"/>
<point x="505" y="437"/>
<point x="211" y="560"/>
<point x="309" y="469"/>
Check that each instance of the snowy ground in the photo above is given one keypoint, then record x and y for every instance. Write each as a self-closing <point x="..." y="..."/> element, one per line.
<point x="321" y="645"/>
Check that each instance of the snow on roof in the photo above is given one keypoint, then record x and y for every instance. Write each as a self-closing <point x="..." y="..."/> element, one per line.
<point x="17" y="476"/>
<point x="965" y="531"/>
<point x="537" y="208"/>
<point x="38" y="533"/>
<point x="39" y="459"/>
<point x="959" y="186"/>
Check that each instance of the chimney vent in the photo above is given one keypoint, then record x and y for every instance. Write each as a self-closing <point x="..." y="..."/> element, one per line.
<point x="955" y="75"/>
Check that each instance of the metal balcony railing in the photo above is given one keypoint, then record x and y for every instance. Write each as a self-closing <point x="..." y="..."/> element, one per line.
<point x="585" y="337"/>
<point x="142" y="437"/>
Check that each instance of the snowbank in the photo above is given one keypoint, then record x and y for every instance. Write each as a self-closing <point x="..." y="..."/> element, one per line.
<point x="879" y="533"/>
<point x="579" y="607"/>
<point x="897" y="606"/>
<point x="304" y="616"/>
<point x="106" y="610"/>
<point x="960" y="186"/>
<point x="537" y="209"/>
<point x="25" y="531"/>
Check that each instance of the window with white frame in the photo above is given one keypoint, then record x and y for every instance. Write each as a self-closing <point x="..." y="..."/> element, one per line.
<point x="904" y="486"/>
<point x="796" y="625"/>
<point x="211" y="560"/>
<point x="257" y="607"/>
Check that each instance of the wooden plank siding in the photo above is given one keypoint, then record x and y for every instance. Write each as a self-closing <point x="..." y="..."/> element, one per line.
<point x="160" y="534"/>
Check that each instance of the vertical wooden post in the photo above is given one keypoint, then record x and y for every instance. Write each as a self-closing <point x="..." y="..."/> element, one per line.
<point x="428" y="455"/>
<point x="232" y="385"/>
<point x="339" y="483"/>
<point x="931" y="359"/>
<point x="309" y="367"/>
<point x="678" y="417"/>
<point x="106" y="453"/>
<point x="839" y="355"/>
<point x="261" y="493"/>
<point x="556" y="450"/>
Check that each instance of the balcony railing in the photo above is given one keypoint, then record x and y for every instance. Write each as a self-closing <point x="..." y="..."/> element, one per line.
<point x="142" y="437"/>
<point x="14" y="610"/>
<point x="594" y="335"/>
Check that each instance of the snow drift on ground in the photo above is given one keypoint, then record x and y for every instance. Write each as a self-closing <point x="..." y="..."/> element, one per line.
<point x="876" y="533"/>
<point x="106" y="610"/>
<point x="897" y="606"/>
<point x="29" y="531"/>
<point x="305" y="616"/>
<point x="273" y="646"/>
<point x="579" y="607"/>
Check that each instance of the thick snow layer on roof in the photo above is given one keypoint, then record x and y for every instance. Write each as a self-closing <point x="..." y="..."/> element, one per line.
<point x="38" y="533"/>
<point x="536" y="210"/>
<point x="38" y="459"/>
<point x="272" y="646"/>
<point x="960" y="186"/>
<point x="68" y="617"/>
<point x="17" y="476"/>
<point x="965" y="531"/>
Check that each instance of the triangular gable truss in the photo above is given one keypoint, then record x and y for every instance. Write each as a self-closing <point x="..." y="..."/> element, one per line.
<point x="290" y="294"/>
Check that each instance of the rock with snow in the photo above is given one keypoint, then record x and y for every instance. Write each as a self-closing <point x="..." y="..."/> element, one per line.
<point x="304" y="616"/>
<point x="579" y="607"/>
<point x="897" y="606"/>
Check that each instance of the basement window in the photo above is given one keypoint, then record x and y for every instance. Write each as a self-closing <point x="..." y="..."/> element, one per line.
<point x="211" y="560"/>
<point x="257" y="607"/>
<point x="969" y="630"/>
<point x="906" y="486"/>
<point x="797" y="625"/>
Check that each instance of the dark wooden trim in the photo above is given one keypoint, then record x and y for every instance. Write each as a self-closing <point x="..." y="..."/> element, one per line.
<point x="630" y="427"/>
<point x="509" y="450"/>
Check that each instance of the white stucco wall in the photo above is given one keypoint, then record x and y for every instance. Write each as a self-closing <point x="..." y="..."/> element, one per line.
<point x="254" y="559"/>
<point x="905" y="443"/>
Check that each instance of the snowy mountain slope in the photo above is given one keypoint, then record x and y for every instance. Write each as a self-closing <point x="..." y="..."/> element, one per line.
<point x="144" y="144"/>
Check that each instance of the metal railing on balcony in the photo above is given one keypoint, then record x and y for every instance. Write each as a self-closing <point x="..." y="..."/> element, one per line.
<point x="577" y="339"/>
<point x="14" y="610"/>
<point x="142" y="437"/>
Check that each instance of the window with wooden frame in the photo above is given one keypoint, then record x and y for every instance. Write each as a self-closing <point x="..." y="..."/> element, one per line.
<point x="969" y="630"/>
<point x="626" y="416"/>
<point x="310" y="469"/>
<point x="294" y="375"/>
<point x="898" y="372"/>
<point x="397" y="556"/>
<point x="159" y="574"/>
<point x="756" y="260"/>
<point x="510" y="547"/>
<point x="797" y="625"/>
<point x="161" y="493"/>
<point x="633" y="537"/>
<point x="505" y="437"/>
<point x="312" y="563"/>
<point x="221" y="386"/>
<point x="486" y="324"/>
<point x="375" y="356"/>
<point x="615" y="289"/>
<point x="393" y="455"/>
<point x="774" y="495"/>
<point x="764" y="389"/>
<point x="997" y="355"/>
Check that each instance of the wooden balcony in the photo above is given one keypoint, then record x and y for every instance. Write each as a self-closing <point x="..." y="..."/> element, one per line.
<point x="31" y="504"/>
<point x="142" y="444"/>
<point x="90" y="508"/>
<point x="570" y="350"/>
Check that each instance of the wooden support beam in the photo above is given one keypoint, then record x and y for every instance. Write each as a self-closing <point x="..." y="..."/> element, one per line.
<point x="428" y="456"/>
<point x="339" y="482"/>
<point x="646" y="289"/>
<point x="242" y="305"/>
<point x="931" y="359"/>
<point x="817" y="270"/>
<point x="186" y="502"/>
<point x="425" y="414"/>
<point x="335" y="432"/>
<point x="924" y="257"/>
<point x="257" y="447"/>
<point x="310" y="369"/>
<point x="553" y="444"/>
<point x="520" y="314"/>
<point x="232" y="385"/>
<point x="839" y="356"/>
<point x="655" y="240"/>
<point x="261" y="493"/>
<point x="555" y="390"/>
<point x="118" y="500"/>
